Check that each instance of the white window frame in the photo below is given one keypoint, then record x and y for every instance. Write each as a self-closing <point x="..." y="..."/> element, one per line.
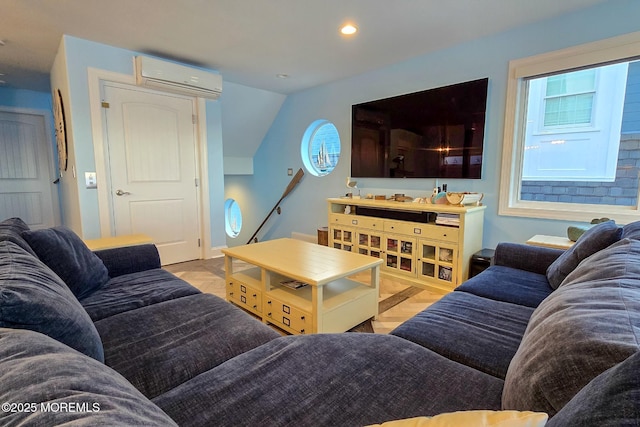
<point x="620" y="48"/>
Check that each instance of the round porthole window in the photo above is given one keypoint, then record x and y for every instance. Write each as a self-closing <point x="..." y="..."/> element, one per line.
<point x="232" y="218"/>
<point x="320" y="148"/>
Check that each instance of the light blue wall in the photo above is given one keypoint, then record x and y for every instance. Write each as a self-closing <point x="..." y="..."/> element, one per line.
<point x="305" y="210"/>
<point x="21" y="98"/>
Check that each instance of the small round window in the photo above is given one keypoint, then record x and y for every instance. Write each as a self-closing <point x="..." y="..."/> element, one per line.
<point x="232" y="218"/>
<point x="320" y="147"/>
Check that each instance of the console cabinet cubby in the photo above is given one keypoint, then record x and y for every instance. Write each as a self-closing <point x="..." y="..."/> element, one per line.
<point x="409" y="238"/>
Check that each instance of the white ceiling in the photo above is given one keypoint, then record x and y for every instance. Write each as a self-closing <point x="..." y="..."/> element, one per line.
<point x="251" y="41"/>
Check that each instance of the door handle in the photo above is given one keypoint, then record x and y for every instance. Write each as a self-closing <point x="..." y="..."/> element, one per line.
<point x="122" y="193"/>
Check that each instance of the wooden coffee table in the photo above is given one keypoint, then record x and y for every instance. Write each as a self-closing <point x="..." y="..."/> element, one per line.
<point x="330" y="301"/>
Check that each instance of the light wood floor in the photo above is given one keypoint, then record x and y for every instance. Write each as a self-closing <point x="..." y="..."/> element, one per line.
<point x="198" y="275"/>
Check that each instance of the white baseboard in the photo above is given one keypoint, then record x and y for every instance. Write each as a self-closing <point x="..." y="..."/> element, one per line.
<point x="306" y="237"/>
<point x="216" y="252"/>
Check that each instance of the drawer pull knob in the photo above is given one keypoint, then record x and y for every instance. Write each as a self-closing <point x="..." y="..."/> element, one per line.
<point x="301" y="317"/>
<point x="255" y="306"/>
<point x="302" y="331"/>
<point x="231" y="293"/>
<point x="255" y="295"/>
<point x="269" y="314"/>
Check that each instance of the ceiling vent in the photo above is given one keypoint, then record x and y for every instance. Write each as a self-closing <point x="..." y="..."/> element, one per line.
<point x="170" y="77"/>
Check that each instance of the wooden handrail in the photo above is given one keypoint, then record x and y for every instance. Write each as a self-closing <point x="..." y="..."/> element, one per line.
<point x="294" y="181"/>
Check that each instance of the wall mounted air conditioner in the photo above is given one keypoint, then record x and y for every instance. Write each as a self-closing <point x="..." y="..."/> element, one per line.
<point x="167" y="76"/>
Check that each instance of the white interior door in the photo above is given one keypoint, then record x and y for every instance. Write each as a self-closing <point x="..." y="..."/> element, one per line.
<point x="26" y="173"/>
<point x="151" y="143"/>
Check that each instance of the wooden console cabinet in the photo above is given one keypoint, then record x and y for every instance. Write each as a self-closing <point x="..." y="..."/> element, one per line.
<point x="426" y="244"/>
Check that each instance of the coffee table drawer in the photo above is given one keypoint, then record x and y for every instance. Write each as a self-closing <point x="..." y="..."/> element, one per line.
<point x="289" y="317"/>
<point x="244" y="296"/>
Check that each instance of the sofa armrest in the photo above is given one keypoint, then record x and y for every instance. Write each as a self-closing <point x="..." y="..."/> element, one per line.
<point x="130" y="259"/>
<point x="525" y="257"/>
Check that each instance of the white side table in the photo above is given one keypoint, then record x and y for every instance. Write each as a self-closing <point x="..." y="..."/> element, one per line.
<point x="556" y="242"/>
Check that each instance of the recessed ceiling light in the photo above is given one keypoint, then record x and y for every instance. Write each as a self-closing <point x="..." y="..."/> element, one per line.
<point x="282" y="76"/>
<point x="348" y="29"/>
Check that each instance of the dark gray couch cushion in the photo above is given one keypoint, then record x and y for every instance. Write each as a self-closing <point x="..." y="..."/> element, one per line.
<point x="612" y="399"/>
<point x="631" y="230"/>
<point x="582" y="329"/>
<point x="135" y="290"/>
<point x="592" y="241"/>
<point x="67" y="255"/>
<point x="36" y="369"/>
<point x="478" y="332"/>
<point x="33" y="297"/>
<point x="329" y="380"/>
<point x="509" y="285"/>
<point x="11" y="230"/>
<point x="163" y="345"/>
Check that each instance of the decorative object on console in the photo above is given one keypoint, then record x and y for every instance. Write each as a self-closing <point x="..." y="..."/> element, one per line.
<point x="464" y="198"/>
<point x="353" y="185"/>
<point x="401" y="198"/>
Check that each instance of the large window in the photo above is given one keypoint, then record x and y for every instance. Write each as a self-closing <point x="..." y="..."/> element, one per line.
<point x="572" y="133"/>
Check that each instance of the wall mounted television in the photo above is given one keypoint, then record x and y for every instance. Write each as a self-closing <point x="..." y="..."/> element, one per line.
<point x="435" y="133"/>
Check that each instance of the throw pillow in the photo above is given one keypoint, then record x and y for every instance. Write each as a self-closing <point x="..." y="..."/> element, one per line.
<point x="11" y="230"/>
<point x="67" y="255"/>
<point x="582" y="329"/>
<point x="33" y="297"/>
<point x="479" y="418"/>
<point x="592" y="241"/>
<point x="631" y="230"/>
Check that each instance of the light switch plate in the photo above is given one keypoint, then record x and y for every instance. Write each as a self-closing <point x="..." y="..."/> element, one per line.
<point x="91" y="180"/>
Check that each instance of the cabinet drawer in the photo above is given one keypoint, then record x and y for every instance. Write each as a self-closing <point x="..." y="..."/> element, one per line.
<point x="356" y="221"/>
<point x="368" y="222"/>
<point x="244" y="296"/>
<point x="439" y="232"/>
<point x="289" y="316"/>
<point x="342" y="219"/>
<point x="427" y="231"/>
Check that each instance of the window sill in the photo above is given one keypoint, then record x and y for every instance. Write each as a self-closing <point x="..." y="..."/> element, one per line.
<point x="570" y="211"/>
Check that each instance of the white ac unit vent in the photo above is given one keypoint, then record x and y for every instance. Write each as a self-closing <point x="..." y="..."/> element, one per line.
<point x="167" y="76"/>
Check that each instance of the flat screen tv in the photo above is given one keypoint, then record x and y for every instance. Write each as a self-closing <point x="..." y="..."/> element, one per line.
<point x="436" y="133"/>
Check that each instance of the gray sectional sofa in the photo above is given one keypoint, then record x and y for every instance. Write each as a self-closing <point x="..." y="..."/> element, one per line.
<point x="109" y="338"/>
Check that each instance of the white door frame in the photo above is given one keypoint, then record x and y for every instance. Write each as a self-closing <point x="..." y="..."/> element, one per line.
<point x="96" y="78"/>
<point x="53" y="165"/>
